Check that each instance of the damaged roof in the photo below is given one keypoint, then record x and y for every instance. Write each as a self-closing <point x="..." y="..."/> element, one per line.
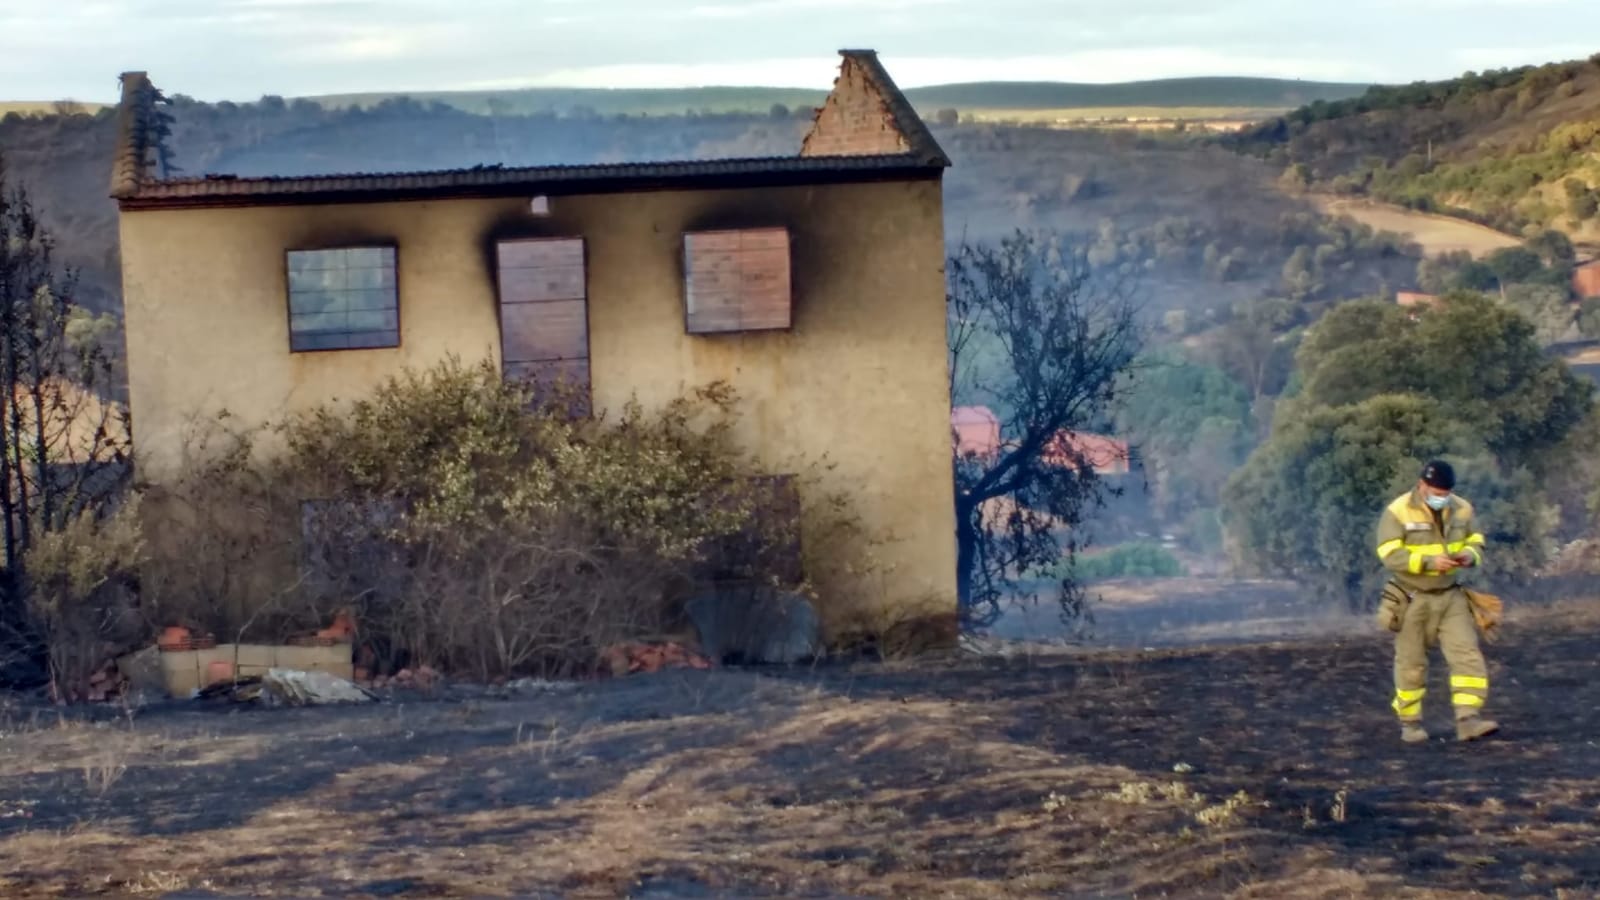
<point x="134" y="186"/>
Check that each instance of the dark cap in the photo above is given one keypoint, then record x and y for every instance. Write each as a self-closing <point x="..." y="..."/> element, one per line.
<point x="1439" y="474"/>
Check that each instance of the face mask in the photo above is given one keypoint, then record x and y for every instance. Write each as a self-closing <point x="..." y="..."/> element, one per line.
<point x="1437" y="502"/>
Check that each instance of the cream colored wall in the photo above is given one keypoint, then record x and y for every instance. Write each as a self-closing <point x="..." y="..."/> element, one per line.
<point x="860" y="379"/>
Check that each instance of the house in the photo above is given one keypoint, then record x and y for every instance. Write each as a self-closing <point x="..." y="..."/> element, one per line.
<point x="812" y="283"/>
<point x="977" y="433"/>
<point x="1105" y="455"/>
<point x="1586" y="280"/>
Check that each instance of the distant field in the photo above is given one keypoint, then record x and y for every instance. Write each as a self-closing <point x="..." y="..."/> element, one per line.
<point x="1436" y="234"/>
<point x="1222" y="117"/>
<point x="981" y="99"/>
<point x="41" y="107"/>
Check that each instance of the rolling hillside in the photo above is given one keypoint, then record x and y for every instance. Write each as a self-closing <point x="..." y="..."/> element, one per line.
<point x="1511" y="148"/>
<point x="1210" y="93"/>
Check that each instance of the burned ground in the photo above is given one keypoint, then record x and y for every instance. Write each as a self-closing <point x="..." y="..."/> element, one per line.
<point x="1261" y="771"/>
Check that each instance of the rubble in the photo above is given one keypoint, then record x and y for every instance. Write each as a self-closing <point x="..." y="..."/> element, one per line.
<point x="635" y="657"/>
<point x="289" y="687"/>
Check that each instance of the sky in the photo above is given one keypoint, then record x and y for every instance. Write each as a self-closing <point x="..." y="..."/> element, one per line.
<point x="242" y="49"/>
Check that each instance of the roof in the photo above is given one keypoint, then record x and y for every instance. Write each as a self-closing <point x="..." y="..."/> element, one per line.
<point x="910" y="125"/>
<point x="973" y="415"/>
<point x="134" y="186"/>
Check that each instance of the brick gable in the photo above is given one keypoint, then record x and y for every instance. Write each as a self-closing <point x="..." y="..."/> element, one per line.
<point x="856" y="119"/>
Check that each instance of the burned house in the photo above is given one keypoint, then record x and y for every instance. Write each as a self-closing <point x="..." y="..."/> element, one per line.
<point x="812" y="283"/>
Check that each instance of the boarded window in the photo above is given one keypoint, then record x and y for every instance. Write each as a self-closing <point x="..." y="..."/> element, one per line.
<point x="769" y="545"/>
<point x="344" y="299"/>
<point x="737" y="280"/>
<point x="544" y="313"/>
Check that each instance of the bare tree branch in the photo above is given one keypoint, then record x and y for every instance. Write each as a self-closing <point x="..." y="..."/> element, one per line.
<point x="1035" y="330"/>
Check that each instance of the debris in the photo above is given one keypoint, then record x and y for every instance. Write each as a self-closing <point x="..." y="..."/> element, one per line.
<point x="292" y="687"/>
<point x="632" y="657"/>
<point x="755" y="624"/>
<point x="289" y="687"/>
<point x="538" y="685"/>
<point x="1183" y="768"/>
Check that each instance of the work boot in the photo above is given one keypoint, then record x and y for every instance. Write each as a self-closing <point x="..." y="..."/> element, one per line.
<point x="1474" y="727"/>
<point x="1413" y="732"/>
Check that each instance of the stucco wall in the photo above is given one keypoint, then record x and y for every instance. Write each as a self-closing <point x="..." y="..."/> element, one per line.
<point x="860" y="378"/>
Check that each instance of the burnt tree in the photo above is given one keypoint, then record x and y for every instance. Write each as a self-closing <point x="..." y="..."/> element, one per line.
<point x="1041" y="337"/>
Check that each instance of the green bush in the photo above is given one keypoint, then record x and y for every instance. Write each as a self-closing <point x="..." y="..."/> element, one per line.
<point x="1141" y="560"/>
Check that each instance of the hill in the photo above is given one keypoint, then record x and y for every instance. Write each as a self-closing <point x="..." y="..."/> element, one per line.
<point x="1512" y="148"/>
<point x="1203" y="227"/>
<point x="1208" y="93"/>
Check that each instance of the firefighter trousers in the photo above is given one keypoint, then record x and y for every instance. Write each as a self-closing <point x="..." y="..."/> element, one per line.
<point x="1442" y="618"/>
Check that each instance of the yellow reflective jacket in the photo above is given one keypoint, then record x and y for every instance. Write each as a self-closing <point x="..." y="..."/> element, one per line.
<point x="1410" y="535"/>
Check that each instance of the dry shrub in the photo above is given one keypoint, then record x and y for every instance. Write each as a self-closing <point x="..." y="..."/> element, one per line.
<point x="82" y="581"/>
<point x="471" y="524"/>
<point x="223" y="529"/>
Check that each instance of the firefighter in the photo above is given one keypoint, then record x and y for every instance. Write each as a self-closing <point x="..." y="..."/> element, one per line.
<point x="1426" y="537"/>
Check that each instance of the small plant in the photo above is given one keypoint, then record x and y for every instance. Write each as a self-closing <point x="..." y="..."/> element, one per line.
<point x="1054" y="803"/>
<point x="1133" y="793"/>
<point x="1223" y="813"/>
<point x="1341" y="807"/>
<point x="104" y="771"/>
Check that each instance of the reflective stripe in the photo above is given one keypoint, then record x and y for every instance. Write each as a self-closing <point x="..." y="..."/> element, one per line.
<point x="1466" y="699"/>
<point x="1469" y="682"/>
<point x="1477" y="555"/>
<point x="1457" y="546"/>
<point x="1428" y="549"/>
<point x="1388" y="547"/>
<point x="1414" y="565"/>
<point x="1408" y="704"/>
<point x="1475" y="539"/>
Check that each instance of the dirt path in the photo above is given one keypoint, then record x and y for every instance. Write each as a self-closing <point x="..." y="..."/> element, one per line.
<point x="1436" y="234"/>
<point x="1267" y="771"/>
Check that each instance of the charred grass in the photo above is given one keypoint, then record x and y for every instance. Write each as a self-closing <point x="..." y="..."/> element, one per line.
<point x="1262" y="771"/>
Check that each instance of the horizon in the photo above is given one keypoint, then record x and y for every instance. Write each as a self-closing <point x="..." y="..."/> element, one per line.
<point x="241" y="50"/>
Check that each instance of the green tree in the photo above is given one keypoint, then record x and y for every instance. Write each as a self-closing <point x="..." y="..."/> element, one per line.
<point x="1554" y="248"/>
<point x="1478" y="358"/>
<point x="1253" y="347"/>
<point x="1589" y="318"/>
<point x="1380" y="393"/>
<point x="1305" y="503"/>
<point x="1192" y="424"/>
<point x="1513" y="265"/>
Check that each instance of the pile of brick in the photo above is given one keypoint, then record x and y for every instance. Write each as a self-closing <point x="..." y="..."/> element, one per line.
<point x="107" y="683"/>
<point x="422" y="678"/>
<point x="636" y="657"/>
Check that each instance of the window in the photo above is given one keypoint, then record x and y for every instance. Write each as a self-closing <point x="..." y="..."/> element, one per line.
<point x="737" y="280"/>
<point x="343" y="299"/>
<point x="544" y="312"/>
